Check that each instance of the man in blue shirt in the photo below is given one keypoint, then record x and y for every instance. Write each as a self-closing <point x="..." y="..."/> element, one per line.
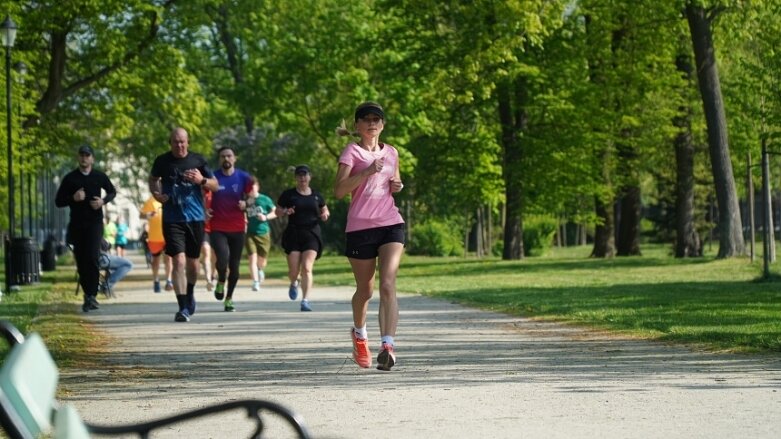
<point x="176" y="181"/>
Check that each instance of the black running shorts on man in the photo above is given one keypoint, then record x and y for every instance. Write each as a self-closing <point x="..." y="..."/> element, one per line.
<point x="183" y="238"/>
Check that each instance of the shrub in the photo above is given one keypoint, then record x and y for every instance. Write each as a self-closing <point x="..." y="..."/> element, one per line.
<point x="538" y="233"/>
<point x="435" y="238"/>
<point x="498" y="248"/>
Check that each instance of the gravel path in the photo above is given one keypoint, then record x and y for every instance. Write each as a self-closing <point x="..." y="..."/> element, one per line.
<point x="461" y="373"/>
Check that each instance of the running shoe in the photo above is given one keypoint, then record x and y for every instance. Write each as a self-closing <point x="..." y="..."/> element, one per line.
<point x="305" y="305"/>
<point x="361" y="353"/>
<point x="90" y="304"/>
<point x="293" y="291"/>
<point x="386" y="359"/>
<point x="255" y="286"/>
<point x="209" y="285"/>
<point x="156" y="286"/>
<point x="169" y="285"/>
<point x="229" y="306"/>
<point x="182" y="316"/>
<point x="191" y="304"/>
<point x="261" y="276"/>
<point x="219" y="291"/>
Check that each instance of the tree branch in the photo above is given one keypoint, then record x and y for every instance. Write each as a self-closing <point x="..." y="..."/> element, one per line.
<point x="56" y="93"/>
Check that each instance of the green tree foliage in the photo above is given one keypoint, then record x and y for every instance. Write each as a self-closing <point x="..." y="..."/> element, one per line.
<point x="523" y="107"/>
<point x="467" y="53"/>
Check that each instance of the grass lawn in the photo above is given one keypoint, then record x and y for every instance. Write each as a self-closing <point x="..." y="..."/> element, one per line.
<point x="716" y="304"/>
<point x="48" y="308"/>
<point x="719" y="304"/>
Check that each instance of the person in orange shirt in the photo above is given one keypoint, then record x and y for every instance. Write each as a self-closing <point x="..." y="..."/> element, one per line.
<point x="152" y="211"/>
<point x="208" y="260"/>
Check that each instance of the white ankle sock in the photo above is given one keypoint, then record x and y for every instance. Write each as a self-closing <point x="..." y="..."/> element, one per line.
<point x="361" y="332"/>
<point x="387" y="339"/>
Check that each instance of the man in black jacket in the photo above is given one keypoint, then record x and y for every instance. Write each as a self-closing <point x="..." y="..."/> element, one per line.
<point x="82" y="191"/>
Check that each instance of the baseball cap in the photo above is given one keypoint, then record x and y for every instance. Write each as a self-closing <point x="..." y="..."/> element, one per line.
<point x="86" y="149"/>
<point x="302" y="169"/>
<point x="367" y="108"/>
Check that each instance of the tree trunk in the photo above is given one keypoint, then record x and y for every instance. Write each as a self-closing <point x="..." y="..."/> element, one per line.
<point x="512" y="123"/>
<point x="687" y="241"/>
<point x="750" y="202"/>
<point x="479" y="234"/>
<point x="604" y="239"/>
<point x="629" y="226"/>
<point x="489" y="231"/>
<point x="559" y="228"/>
<point x="731" y="241"/>
<point x="629" y="204"/>
<point x="604" y="231"/>
<point x="467" y="227"/>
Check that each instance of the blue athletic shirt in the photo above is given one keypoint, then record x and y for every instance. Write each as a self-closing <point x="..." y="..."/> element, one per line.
<point x="185" y="199"/>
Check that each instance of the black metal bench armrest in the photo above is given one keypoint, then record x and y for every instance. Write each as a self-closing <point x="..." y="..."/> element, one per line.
<point x="254" y="408"/>
<point x="16" y="427"/>
<point x="12" y="335"/>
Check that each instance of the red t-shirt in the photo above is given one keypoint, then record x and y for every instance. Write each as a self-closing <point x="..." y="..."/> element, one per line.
<point x="226" y="215"/>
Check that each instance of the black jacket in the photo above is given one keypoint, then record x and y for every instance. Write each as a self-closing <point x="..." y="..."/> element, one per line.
<point x="81" y="211"/>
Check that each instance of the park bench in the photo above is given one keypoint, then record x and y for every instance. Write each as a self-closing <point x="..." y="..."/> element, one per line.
<point x="28" y="408"/>
<point x="104" y="271"/>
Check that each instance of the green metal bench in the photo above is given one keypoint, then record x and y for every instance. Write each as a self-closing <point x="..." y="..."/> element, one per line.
<point x="28" y="408"/>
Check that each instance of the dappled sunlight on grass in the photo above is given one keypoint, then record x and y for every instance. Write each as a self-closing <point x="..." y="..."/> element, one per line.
<point x="716" y="303"/>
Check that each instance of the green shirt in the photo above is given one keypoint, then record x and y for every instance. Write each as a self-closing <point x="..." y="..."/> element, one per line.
<point x="110" y="232"/>
<point x="264" y="205"/>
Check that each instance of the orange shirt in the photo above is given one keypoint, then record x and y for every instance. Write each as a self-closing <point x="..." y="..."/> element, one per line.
<point x="155" y="221"/>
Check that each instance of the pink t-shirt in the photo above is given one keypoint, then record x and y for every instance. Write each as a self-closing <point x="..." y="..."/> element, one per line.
<point x="372" y="203"/>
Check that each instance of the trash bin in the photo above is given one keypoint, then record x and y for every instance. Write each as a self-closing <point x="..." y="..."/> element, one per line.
<point x="25" y="261"/>
<point x="49" y="254"/>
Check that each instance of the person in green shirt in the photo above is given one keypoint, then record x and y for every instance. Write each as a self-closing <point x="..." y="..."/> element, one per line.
<point x="260" y="209"/>
<point x="110" y="233"/>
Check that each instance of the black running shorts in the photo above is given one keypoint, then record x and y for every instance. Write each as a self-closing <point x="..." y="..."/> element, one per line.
<point x="183" y="238"/>
<point x="365" y="244"/>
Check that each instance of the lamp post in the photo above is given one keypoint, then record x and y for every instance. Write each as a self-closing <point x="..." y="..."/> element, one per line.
<point x="21" y="68"/>
<point x="8" y="35"/>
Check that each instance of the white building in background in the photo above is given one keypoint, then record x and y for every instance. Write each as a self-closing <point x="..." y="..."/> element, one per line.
<point x="126" y="204"/>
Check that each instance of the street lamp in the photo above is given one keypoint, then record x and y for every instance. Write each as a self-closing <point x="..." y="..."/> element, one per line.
<point x="21" y="68"/>
<point x="8" y="35"/>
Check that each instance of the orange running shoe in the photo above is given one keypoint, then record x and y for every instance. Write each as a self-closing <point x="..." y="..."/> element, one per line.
<point x="361" y="353"/>
<point x="386" y="359"/>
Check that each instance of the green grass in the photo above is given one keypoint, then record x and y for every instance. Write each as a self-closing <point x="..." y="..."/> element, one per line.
<point x="48" y="308"/>
<point x="718" y="304"/>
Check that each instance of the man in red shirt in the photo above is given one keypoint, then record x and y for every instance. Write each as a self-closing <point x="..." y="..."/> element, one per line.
<point x="228" y="223"/>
